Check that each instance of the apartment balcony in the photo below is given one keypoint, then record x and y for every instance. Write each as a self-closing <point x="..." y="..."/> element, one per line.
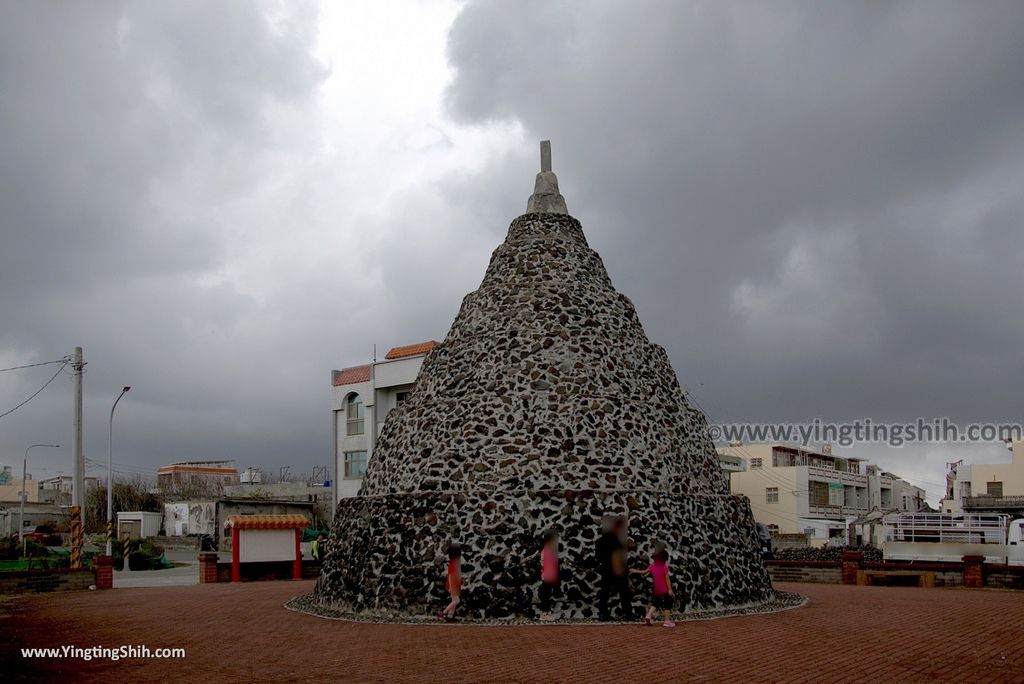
<point x="829" y="475"/>
<point x="838" y="512"/>
<point x="986" y="502"/>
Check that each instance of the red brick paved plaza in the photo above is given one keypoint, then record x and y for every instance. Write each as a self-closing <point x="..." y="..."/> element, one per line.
<point x="242" y="633"/>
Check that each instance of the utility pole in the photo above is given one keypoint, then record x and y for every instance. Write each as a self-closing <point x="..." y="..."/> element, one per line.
<point x="78" y="464"/>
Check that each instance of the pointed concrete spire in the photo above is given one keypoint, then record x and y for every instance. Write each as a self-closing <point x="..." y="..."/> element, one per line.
<point x="545" y="198"/>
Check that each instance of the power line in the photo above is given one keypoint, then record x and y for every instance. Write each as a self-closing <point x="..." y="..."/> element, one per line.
<point x="34" y="395"/>
<point x="64" y="361"/>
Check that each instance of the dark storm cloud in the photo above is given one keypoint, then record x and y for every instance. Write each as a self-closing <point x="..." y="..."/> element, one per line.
<point x="125" y="128"/>
<point x="815" y="206"/>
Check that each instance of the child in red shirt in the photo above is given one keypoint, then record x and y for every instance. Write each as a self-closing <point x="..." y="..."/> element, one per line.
<point x="453" y="582"/>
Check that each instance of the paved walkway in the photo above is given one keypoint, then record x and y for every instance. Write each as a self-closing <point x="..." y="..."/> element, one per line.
<point x="241" y="633"/>
<point x="184" y="575"/>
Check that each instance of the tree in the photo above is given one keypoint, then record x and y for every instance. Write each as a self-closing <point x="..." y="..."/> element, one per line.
<point x="129" y="495"/>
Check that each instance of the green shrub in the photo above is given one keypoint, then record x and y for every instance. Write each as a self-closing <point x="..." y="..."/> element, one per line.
<point x="143" y="554"/>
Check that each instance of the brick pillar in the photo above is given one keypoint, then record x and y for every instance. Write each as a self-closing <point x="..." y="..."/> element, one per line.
<point x="974" y="576"/>
<point x="297" y="565"/>
<point x="103" y="566"/>
<point x="851" y="564"/>
<point x="208" y="567"/>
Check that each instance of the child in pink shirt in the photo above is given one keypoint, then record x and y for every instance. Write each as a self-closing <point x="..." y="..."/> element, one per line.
<point x="549" y="575"/>
<point x="662" y="589"/>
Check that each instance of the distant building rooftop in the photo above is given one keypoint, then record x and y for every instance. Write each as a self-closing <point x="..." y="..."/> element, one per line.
<point x="357" y="374"/>
<point x="350" y="376"/>
<point x="410" y="350"/>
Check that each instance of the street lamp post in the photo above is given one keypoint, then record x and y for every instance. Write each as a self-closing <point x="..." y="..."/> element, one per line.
<point x="110" y="475"/>
<point x="24" y="493"/>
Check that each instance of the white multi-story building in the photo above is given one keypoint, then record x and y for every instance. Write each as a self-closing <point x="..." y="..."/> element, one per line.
<point x="361" y="398"/>
<point x="986" y="487"/>
<point x="796" y="490"/>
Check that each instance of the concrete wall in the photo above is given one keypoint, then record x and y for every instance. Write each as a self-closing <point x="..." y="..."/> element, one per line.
<point x="321" y="497"/>
<point x="35" y="514"/>
<point x="190" y="517"/>
<point x="754" y="482"/>
<point x="11" y="492"/>
<point x="1010" y="474"/>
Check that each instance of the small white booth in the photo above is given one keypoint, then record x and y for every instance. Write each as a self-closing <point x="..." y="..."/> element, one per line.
<point x="138" y="524"/>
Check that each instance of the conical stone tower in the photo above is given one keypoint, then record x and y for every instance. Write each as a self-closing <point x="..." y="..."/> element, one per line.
<point x="546" y="406"/>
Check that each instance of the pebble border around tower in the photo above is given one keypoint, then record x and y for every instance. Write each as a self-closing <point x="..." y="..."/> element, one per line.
<point x="546" y="406"/>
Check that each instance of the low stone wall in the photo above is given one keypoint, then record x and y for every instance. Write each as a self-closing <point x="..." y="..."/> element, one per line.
<point x="783" y="542"/>
<point x="180" y="543"/>
<point x="989" y="576"/>
<point x="37" y="581"/>
<point x="1004" y="576"/>
<point x="946" y="574"/>
<point x="816" y="572"/>
<point x="263" y="572"/>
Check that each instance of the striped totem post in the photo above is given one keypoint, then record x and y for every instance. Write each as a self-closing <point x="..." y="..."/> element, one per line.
<point x="77" y="538"/>
<point x="124" y="549"/>
<point x="110" y="535"/>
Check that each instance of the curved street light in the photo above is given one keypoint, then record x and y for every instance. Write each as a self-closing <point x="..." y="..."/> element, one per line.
<point x="110" y="476"/>
<point x="24" y="493"/>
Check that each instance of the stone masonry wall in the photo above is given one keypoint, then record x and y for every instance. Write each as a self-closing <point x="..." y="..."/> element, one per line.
<point x="390" y="554"/>
<point x="545" y="378"/>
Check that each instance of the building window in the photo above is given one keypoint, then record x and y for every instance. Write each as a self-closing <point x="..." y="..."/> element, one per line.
<point x="755" y="464"/>
<point x="771" y="495"/>
<point x="994" y="488"/>
<point x="401" y="398"/>
<point x="354" y="424"/>
<point x="355" y="464"/>
<point x="818" y="494"/>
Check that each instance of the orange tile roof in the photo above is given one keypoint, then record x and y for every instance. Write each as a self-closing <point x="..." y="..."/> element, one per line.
<point x="267" y="522"/>
<point x="410" y="350"/>
<point x="350" y="376"/>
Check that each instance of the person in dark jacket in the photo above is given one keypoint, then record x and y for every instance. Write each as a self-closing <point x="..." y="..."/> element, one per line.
<point x="610" y="552"/>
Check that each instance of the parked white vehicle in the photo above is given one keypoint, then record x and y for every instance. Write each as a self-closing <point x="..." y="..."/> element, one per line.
<point x="944" y="537"/>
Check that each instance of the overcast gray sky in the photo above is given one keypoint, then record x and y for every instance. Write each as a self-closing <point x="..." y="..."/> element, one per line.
<point x="816" y="207"/>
